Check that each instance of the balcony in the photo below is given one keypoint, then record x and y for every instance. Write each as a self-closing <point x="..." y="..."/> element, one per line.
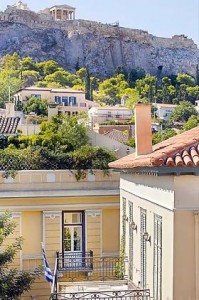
<point x="84" y="266"/>
<point x="84" y="276"/>
<point x="104" y="295"/>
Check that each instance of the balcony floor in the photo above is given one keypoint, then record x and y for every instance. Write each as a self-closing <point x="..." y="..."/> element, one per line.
<point x="93" y="286"/>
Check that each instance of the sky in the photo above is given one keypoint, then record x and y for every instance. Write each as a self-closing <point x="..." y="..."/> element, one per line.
<point x="163" y="18"/>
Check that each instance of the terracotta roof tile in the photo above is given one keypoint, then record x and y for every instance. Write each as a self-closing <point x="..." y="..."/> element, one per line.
<point x="180" y="150"/>
<point x="117" y="135"/>
<point x="8" y="125"/>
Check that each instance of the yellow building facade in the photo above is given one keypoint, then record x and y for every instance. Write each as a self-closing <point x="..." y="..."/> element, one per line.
<point x="66" y="215"/>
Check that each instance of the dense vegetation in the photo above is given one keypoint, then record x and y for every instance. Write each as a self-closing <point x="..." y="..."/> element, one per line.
<point x="17" y="72"/>
<point x="62" y="144"/>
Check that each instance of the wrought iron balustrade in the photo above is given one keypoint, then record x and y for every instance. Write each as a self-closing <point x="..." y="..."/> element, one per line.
<point x="77" y="261"/>
<point x="84" y="266"/>
<point x="104" y="295"/>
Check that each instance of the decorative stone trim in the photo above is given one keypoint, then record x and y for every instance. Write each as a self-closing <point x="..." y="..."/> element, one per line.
<point x="93" y="213"/>
<point x="52" y="214"/>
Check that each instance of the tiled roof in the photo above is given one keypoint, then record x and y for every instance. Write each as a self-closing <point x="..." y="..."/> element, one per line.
<point x="8" y="125"/>
<point x="180" y="150"/>
<point x="164" y="105"/>
<point x="117" y="135"/>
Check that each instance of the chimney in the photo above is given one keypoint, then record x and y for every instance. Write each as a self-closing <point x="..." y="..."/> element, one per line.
<point x="10" y="109"/>
<point x="143" y="134"/>
<point x="52" y="110"/>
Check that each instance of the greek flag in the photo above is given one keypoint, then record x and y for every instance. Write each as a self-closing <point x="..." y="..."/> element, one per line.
<point x="47" y="270"/>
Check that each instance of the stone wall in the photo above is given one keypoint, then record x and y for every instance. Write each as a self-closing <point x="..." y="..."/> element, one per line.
<point x="45" y="20"/>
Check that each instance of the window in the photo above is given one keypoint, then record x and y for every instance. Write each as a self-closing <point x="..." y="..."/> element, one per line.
<point x="82" y="104"/>
<point x="123" y="224"/>
<point x="130" y="241"/>
<point x="73" y="232"/>
<point x="65" y="101"/>
<point x="36" y="96"/>
<point x="143" y="247"/>
<point x="109" y="114"/>
<point x="57" y="99"/>
<point x="72" y="101"/>
<point x="157" y="263"/>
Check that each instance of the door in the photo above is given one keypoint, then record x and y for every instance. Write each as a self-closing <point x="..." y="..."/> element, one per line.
<point x="73" y="239"/>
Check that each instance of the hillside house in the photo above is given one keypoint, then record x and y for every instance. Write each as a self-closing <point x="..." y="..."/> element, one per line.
<point x="68" y="101"/>
<point x="164" y="111"/>
<point x="109" y="113"/>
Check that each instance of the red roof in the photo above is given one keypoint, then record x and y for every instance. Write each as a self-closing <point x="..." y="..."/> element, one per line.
<point x="117" y="135"/>
<point x="180" y="150"/>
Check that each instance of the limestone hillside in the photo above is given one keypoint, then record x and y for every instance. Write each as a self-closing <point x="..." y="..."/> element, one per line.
<point x="100" y="47"/>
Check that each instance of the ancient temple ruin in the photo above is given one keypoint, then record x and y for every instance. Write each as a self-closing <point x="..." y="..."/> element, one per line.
<point x="19" y="11"/>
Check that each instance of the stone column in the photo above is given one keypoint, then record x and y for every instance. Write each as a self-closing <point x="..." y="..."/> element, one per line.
<point x="70" y="15"/>
<point x="55" y="14"/>
<point x="73" y="15"/>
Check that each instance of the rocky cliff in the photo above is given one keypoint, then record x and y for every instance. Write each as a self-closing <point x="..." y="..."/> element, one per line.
<point x="100" y="47"/>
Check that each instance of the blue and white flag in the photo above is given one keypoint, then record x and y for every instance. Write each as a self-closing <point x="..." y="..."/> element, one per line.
<point x="47" y="270"/>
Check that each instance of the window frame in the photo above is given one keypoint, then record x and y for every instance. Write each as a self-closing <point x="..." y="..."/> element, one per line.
<point x="82" y="224"/>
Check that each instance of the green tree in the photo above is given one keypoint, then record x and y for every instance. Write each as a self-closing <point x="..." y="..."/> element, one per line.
<point x="197" y="75"/>
<point x="163" y="135"/>
<point x="47" y="67"/>
<point x="192" y="93"/>
<point x="11" y="62"/>
<point x="111" y="90"/>
<point x="166" y="82"/>
<point x="63" y="134"/>
<point x="28" y="64"/>
<point x="87" y="85"/>
<point x="36" y="105"/>
<point x="191" y="123"/>
<point x="132" y="97"/>
<point x="147" y="87"/>
<point x="85" y="82"/>
<point x="133" y="75"/>
<point x="12" y="282"/>
<point x="61" y="77"/>
<point x="29" y="77"/>
<point x="185" y="79"/>
<point x="10" y="84"/>
<point x="94" y="83"/>
<point x="183" y="111"/>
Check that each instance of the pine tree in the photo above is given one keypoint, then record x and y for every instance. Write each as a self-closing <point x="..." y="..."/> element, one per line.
<point x="87" y="85"/>
<point x="12" y="281"/>
<point x="197" y="75"/>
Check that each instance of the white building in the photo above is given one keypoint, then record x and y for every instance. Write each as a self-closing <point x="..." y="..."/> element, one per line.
<point x="68" y="100"/>
<point x="164" y="111"/>
<point x="197" y="106"/>
<point x="159" y="189"/>
<point x="109" y="113"/>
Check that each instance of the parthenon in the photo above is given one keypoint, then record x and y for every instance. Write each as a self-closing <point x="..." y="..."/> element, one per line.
<point x="62" y="12"/>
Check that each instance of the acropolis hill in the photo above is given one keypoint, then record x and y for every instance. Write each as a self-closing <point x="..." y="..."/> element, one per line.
<point x="54" y="33"/>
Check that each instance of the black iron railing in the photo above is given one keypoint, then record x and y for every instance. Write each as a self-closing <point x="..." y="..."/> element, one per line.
<point x="77" y="261"/>
<point x="104" y="295"/>
<point x="84" y="266"/>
